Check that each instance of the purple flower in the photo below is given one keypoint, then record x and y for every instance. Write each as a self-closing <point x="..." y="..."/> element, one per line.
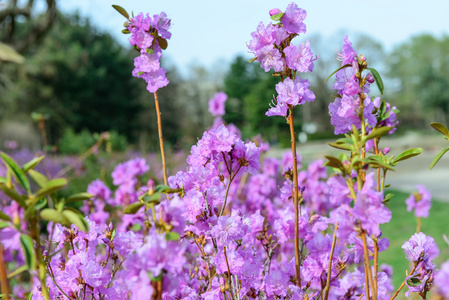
<point x="162" y="24"/>
<point x="293" y="19"/>
<point x="415" y="283"/>
<point x="270" y="57"/>
<point x="423" y="248"/>
<point x="217" y="104"/>
<point x="348" y="54"/>
<point x="300" y="58"/>
<point x="420" y="201"/>
<point x="294" y="93"/>
<point x="228" y="229"/>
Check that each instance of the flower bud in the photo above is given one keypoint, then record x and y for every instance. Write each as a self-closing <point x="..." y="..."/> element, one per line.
<point x="275" y="11"/>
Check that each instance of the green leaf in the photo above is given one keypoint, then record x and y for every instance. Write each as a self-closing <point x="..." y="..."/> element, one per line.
<point x="151" y="199"/>
<point x="18" y="173"/>
<point x="437" y="157"/>
<point x="126" y="31"/>
<point x="32" y="163"/>
<point x="157" y="278"/>
<point x="441" y="128"/>
<point x="388" y="197"/>
<point x="39" y="178"/>
<point x="133" y="208"/>
<point x="76" y="219"/>
<point x="162" y="42"/>
<point x="378" y="132"/>
<point x="4" y="225"/>
<point x="28" y="249"/>
<point x="378" y="79"/>
<point x="340" y="146"/>
<point x="2" y="180"/>
<point x="277" y="17"/>
<point x="52" y="186"/>
<point x="121" y="10"/>
<point x="165" y="189"/>
<point x="18" y="271"/>
<point x="13" y="195"/>
<point x="172" y="236"/>
<point x="342" y="67"/>
<point x="78" y="197"/>
<point x="376" y="164"/>
<point x="252" y="59"/>
<point x="140" y="73"/>
<point x="413" y="281"/>
<point x="4" y="216"/>
<point x="334" y="162"/>
<point x="407" y="154"/>
<point x="53" y="215"/>
<point x="149" y="51"/>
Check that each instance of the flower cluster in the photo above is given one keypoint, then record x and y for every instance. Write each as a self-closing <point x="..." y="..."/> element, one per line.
<point x="353" y="106"/>
<point x="420" y="250"/>
<point x="88" y="268"/>
<point x="149" y="36"/>
<point x="271" y="46"/>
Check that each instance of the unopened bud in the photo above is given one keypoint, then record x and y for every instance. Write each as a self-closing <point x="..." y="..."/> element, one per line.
<point x="274" y="11"/>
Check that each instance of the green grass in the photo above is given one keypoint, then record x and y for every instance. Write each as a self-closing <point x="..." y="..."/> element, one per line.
<point x="403" y="226"/>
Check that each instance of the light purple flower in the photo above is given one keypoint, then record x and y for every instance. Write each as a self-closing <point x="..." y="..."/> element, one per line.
<point x="300" y="58"/>
<point x="420" y="201"/>
<point x="217" y="104"/>
<point x="293" y="19"/>
<point x="348" y="54"/>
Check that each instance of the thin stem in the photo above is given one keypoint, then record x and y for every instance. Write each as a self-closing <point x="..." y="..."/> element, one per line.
<point x="329" y="270"/>
<point x="376" y="151"/>
<point x="161" y="140"/>
<point x="229" y="272"/>
<point x="295" y="196"/>
<point x="418" y="225"/>
<point x="368" y="274"/>
<point x="231" y="178"/>
<point x="3" y="276"/>
<point x="376" y="265"/>
<point x="403" y="283"/>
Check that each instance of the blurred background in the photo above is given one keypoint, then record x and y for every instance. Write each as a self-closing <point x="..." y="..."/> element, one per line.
<point x="72" y="66"/>
<point x="65" y="77"/>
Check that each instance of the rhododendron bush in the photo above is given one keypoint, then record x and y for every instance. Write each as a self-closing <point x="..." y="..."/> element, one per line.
<point x="236" y="223"/>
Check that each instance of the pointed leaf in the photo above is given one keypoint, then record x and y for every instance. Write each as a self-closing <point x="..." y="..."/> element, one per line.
<point x="17" y="172"/>
<point x="252" y="59"/>
<point x="39" y="178"/>
<point x="78" y="197"/>
<point x="277" y="17"/>
<point x="18" y="271"/>
<point x="76" y="219"/>
<point x="441" y="128"/>
<point x="28" y="250"/>
<point x="133" y="208"/>
<point x="378" y="79"/>
<point x="53" y="215"/>
<point x="121" y="10"/>
<point x="437" y="157"/>
<point x="13" y="195"/>
<point x="52" y="186"/>
<point x="3" y="225"/>
<point x="162" y="42"/>
<point x="378" y="132"/>
<point x="342" y="67"/>
<point x="334" y="163"/>
<point x="32" y="163"/>
<point x="407" y="154"/>
<point x="4" y="216"/>
<point x="172" y="236"/>
<point x="340" y="146"/>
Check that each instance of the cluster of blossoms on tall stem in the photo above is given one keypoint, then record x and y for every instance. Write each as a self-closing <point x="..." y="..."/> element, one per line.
<point x="272" y="47"/>
<point x="149" y="36"/>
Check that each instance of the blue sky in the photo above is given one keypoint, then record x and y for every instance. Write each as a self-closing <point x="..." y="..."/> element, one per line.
<point x="205" y="32"/>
